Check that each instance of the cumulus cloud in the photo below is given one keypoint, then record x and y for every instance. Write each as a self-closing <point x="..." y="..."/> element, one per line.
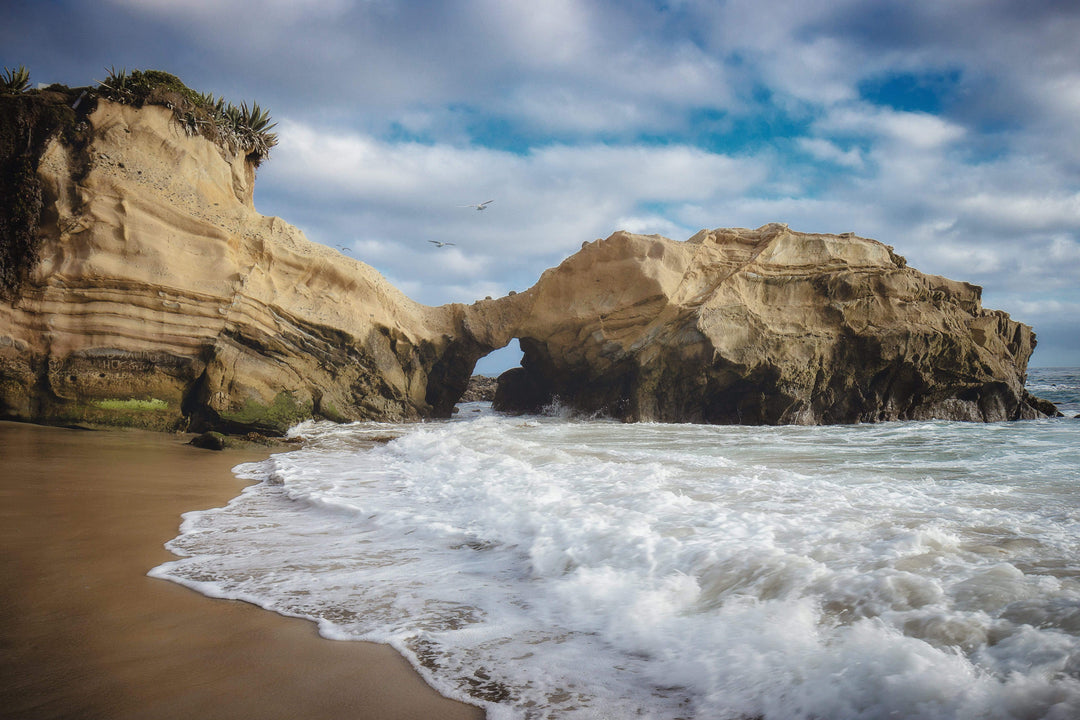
<point x="1023" y="212"/>
<point x="261" y="13"/>
<point x="911" y="130"/>
<point x="822" y="149"/>
<point x="360" y="167"/>
<point x="386" y="199"/>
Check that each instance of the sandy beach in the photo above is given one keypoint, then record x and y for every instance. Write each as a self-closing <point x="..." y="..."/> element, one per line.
<point x="85" y="633"/>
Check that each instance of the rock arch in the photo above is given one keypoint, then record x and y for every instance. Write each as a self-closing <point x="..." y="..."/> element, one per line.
<point x="762" y="326"/>
<point x="160" y="298"/>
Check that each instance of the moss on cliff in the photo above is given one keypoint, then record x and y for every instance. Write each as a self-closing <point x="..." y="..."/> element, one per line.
<point x="144" y="414"/>
<point x="274" y="417"/>
<point x="132" y="405"/>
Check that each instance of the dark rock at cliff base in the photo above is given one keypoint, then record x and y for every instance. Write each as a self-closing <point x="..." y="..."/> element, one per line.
<point x="481" y="388"/>
<point x="519" y="391"/>
<point x="209" y="441"/>
<point x="1043" y="406"/>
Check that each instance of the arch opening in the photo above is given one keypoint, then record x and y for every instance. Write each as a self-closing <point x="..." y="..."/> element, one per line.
<point x="482" y="383"/>
<point x="496" y="362"/>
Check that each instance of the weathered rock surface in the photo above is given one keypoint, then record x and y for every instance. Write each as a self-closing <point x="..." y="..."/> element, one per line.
<point x="162" y="299"/>
<point x="481" y="388"/>
<point x="156" y="296"/>
<point x="763" y="326"/>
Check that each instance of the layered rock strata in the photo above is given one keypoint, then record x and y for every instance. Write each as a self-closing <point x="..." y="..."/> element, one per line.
<point x="162" y="299"/>
<point x="763" y="326"/>
<point x="155" y="295"/>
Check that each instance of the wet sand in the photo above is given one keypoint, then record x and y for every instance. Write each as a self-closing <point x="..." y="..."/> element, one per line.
<point x="85" y="634"/>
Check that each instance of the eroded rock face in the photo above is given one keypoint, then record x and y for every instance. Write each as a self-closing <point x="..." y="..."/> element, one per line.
<point x="158" y="297"/>
<point x="763" y="326"/>
<point x="162" y="299"/>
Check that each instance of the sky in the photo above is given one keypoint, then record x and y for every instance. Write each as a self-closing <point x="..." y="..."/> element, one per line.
<point x="945" y="128"/>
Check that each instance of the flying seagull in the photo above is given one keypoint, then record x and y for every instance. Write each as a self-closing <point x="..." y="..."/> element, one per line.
<point x="440" y="244"/>
<point x="481" y="206"/>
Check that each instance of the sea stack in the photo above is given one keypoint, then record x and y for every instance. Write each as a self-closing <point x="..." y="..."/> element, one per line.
<point x="765" y="326"/>
<point x="141" y="287"/>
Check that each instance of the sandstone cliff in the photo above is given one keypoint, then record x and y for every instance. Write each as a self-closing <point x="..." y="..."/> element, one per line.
<point x="153" y="294"/>
<point x="763" y="326"/>
<point x="161" y="298"/>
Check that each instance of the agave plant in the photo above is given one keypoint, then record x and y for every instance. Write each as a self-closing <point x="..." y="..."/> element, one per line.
<point x="256" y="119"/>
<point x="256" y="131"/>
<point x="240" y="129"/>
<point x="118" y="86"/>
<point x="15" y="80"/>
<point x="194" y="120"/>
<point x="246" y="129"/>
<point x="212" y="105"/>
<point x="228" y="120"/>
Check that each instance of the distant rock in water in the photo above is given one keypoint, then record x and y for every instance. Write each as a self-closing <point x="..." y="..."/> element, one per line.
<point x="481" y="388"/>
<point x="140" y="287"/>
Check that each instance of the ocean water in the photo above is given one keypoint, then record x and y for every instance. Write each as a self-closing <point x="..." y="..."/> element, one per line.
<point x="552" y="567"/>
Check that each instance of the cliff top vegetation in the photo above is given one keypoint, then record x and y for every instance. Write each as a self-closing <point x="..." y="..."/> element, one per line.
<point x="240" y="129"/>
<point x="30" y="117"/>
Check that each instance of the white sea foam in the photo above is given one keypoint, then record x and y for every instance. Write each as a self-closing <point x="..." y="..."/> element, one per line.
<point x="553" y="568"/>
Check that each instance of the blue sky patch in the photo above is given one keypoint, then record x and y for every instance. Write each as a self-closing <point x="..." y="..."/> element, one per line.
<point x="912" y="92"/>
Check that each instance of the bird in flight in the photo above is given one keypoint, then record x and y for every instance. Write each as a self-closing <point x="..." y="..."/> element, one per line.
<point x="342" y="248"/>
<point x="436" y="243"/>
<point x="480" y="206"/>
